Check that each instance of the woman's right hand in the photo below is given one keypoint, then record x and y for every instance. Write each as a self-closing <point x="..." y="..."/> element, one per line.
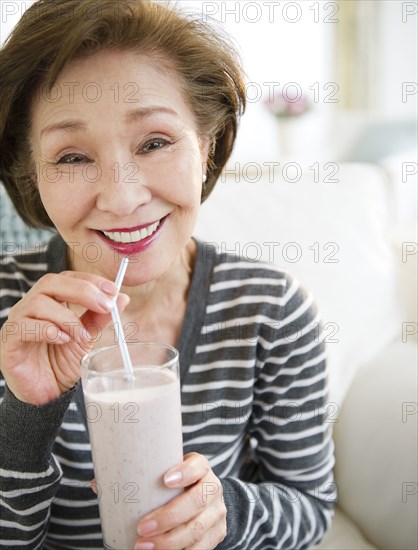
<point x="43" y="341"/>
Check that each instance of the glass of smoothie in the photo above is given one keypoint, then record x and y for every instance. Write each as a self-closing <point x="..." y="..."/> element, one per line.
<point x="135" y="433"/>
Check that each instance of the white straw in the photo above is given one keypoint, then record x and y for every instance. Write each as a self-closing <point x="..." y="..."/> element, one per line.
<point x="121" y="272"/>
<point x="120" y="336"/>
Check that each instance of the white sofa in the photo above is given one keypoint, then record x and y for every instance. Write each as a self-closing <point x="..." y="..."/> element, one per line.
<point x="339" y="238"/>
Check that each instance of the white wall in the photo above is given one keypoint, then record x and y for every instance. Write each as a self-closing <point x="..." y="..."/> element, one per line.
<point x="398" y="59"/>
<point x="10" y="13"/>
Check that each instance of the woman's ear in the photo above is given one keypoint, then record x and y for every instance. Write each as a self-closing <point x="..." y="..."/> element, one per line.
<point x="207" y="148"/>
<point x="205" y="144"/>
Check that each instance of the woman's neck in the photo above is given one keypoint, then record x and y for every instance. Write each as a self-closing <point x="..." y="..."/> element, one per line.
<point x="157" y="308"/>
<point x="170" y="288"/>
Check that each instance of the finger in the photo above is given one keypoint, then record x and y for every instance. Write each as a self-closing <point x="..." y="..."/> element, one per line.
<point x="61" y="327"/>
<point x="89" y="291"/>
<point x="194" y="467"/>
<point x="44" y="308"/>
<point x="104" y="284"/>
<point x="95" y="322"/>
<point x="214" y="536"/>
<point x="187" y="534"/>
<point x="31" y="330"/>
<point x="179" y="510"/>
<point x="184" y="507"/>
<point x="211" y="538"/>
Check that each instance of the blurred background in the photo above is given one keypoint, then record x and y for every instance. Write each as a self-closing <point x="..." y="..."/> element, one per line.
<point x="326" y="82"/>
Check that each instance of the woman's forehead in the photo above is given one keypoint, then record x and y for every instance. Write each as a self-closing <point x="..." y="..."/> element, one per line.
<point x="133" y="86"/>
<point x="127" y="69"/>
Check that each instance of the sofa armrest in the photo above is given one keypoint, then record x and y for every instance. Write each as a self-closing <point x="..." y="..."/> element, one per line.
<point x="376" y="449"/>
<point x="343" y="535"/>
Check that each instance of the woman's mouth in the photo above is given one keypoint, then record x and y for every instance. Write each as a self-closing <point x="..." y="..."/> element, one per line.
<point x="132" y="240"/>
<point x="126" y="236"/>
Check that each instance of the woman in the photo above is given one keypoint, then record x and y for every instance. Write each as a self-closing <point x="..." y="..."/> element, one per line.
<point x="116" y="122"/>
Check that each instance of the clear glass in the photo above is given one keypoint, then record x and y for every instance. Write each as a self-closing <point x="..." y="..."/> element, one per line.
<point x="135" y="433"/>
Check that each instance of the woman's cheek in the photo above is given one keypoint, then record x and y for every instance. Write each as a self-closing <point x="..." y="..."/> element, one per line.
<point x="58" y="189"/>
<point x="182" y="172"/>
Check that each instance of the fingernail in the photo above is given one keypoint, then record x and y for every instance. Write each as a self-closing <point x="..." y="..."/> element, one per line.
<point x="147" y="528"/>
<point x="122" y="300"/>
<point x="144" y="546"/>
<point x="104" y="302"/>
<point x="108" y="287"/>
<point x="64" y="337"/>
<point x="173" y="478"/>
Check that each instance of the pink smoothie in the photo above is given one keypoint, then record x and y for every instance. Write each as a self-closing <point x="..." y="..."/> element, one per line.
<point x="135" y="434"/>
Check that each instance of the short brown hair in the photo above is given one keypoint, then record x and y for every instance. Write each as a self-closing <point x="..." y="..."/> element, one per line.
<point x="53" y="32"/>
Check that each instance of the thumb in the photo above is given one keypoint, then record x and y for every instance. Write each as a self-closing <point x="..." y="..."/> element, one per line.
<point x="99" y="321"/>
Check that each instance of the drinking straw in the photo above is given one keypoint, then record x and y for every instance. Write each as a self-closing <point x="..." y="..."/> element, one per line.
<point x="120" y="336"/>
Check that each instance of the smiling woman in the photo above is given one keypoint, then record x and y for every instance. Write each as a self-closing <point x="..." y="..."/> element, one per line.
<point x="144" y="179"/>
<point x="113" y="130"/>
<point x="216" y="95"/>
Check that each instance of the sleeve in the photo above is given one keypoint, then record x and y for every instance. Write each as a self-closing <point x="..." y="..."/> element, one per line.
<point x="29" y="473"/>
<point x="290" y="503"/>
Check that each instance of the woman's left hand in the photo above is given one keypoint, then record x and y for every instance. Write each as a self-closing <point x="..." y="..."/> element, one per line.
<point x="196" y="519"/>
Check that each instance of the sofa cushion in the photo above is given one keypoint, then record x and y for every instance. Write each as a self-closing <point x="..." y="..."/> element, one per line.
<point x="376" y="449"/>
<point x="333" y="236"/>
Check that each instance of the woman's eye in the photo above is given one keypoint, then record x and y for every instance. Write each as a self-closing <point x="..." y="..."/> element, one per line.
<point x="72" y="158"/>
<point x="153" y="144"/>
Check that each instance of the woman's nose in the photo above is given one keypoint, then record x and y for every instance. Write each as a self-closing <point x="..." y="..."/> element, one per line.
<point x="122" y="188"/>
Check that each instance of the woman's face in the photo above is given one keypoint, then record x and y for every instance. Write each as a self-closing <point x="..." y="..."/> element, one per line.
<point x="119" y="163"/>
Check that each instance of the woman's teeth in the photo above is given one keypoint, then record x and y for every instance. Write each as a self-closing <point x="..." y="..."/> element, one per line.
<point x="131" y="236"/>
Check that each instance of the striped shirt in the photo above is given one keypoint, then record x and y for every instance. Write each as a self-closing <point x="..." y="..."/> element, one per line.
<point x="253" y="390"/>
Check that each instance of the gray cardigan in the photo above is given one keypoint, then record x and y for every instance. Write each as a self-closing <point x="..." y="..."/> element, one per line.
<point x="253" y="389"/>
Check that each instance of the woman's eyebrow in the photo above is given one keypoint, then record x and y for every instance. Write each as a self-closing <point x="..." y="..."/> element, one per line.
<point x="130" y="117"/>
<point x="144" y="112"/>
<point x="72" y="125"/>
